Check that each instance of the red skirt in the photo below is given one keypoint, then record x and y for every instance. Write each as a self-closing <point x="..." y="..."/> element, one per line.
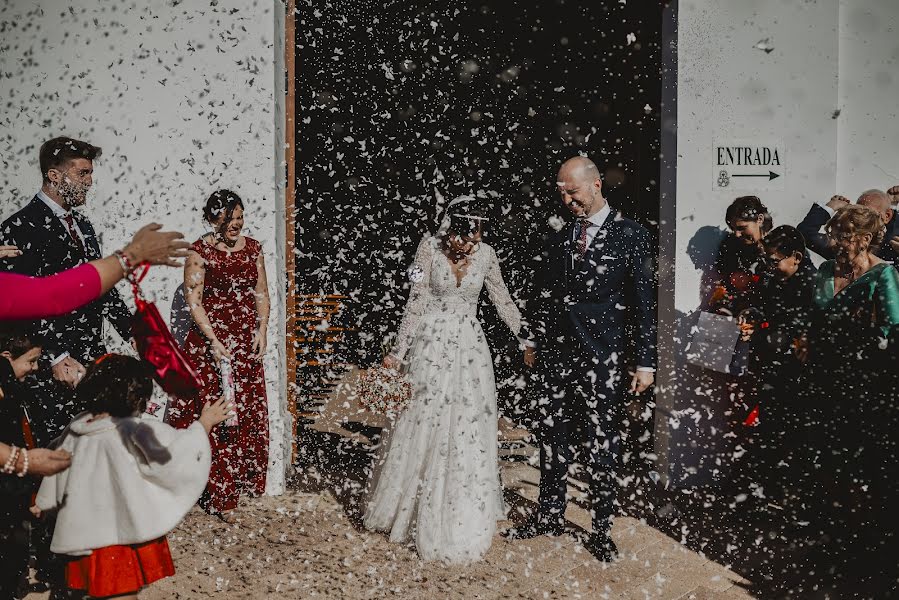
<point x="118" y="570"/>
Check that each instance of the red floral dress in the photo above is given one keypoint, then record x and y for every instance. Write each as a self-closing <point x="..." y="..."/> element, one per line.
<point x="239" y="453"/>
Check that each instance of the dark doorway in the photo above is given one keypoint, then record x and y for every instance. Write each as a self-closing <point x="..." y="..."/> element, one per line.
<point x="400" y="103"/>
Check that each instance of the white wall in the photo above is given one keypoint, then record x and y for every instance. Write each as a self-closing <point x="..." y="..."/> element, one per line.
<point x="868" y="140"/>
<point x="827" y="55"/>
<point x="182" y="98"/>
<point x="729" y="89"/>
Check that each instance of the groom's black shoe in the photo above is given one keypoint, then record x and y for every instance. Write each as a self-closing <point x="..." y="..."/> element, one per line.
<point x="601" y="546"/>
<point x="533" y="527"/>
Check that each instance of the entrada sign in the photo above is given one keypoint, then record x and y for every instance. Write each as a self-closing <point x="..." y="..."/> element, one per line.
<point x="749" y="164"/>
<point x="747" y="155"/>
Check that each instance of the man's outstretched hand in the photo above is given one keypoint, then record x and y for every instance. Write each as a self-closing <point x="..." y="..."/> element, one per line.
<point x="44" y="462"/>
<point x="838" y="202"/>
<point x="68" y="371"/>
<point x="530" y="356"/>
<point x="641" y="381"/>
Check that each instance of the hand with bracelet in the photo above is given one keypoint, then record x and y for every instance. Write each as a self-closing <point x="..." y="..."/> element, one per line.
<point x="60" y="294"/>
<point x="148" y="246"/>
<point x="38" y="461"/>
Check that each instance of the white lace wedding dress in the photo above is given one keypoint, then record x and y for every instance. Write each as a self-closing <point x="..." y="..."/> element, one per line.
<point x="437" y="477"/>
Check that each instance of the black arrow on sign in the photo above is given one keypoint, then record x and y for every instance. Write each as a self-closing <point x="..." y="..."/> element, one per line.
<point x="770" y="175"/>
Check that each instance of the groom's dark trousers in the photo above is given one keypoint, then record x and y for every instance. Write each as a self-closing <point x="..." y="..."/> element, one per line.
<point x="582" y="416"/>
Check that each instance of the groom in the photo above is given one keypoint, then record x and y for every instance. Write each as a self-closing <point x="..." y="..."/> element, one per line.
<point x="596" y="270"/>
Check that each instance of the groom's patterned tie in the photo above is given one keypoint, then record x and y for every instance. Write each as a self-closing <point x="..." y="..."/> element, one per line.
<point x="581" y="248"/>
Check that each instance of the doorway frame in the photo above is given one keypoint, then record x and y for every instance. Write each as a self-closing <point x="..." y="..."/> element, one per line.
<point x="290" y="139"/>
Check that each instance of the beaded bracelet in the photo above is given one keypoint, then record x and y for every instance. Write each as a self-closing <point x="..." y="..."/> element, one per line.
<point x="24" y="470"/>
<point x="10" y="465"/>
<point x="126" y="265"/>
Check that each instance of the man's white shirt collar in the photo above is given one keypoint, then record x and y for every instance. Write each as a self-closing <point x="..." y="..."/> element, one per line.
<point x="56" y="208"/>
<point x="599" y="218"/>
<point x="596" y="221"/>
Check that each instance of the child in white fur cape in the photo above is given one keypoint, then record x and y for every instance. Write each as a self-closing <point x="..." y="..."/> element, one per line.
<point x="131" y="482"/>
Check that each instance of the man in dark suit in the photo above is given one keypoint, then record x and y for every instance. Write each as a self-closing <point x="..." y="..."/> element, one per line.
<point x="597" y="269"/>
<point x="819" y="214"/>
<point x="52" y="237"/>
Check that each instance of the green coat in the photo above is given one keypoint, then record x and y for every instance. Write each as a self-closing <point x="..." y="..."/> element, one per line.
<point x="849" y="383"/>
<point x="850" y="329"/>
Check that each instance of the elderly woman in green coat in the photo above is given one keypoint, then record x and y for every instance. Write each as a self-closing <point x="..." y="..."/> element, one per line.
<point x="850" y="389"/>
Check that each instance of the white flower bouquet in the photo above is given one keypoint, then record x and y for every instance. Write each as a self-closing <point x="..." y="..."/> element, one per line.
<point x="384" y="391"/>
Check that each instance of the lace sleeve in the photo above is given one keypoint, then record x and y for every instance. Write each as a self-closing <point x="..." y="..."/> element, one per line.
<point x="420" y="275"/>
<point x="499" y="295"/>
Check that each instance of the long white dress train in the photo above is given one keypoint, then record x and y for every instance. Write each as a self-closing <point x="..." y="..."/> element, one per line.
<point x="437" y="475"/>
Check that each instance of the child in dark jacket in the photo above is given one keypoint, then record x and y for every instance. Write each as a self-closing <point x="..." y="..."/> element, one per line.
<point x="785" y="301"/>
<point x="782" y="305"/>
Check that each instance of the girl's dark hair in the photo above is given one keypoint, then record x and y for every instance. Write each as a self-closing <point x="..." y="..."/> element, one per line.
<point x="749" y="208"/>
<point x="221" y="201"/>
<point x="116" y="384"/>
<point x="785" y="240"/>
<point x="18" y="339"/>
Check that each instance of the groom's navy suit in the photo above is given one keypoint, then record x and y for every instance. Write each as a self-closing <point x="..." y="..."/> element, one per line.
<point x="580" y="321"/>
<point x="47" y="248"/>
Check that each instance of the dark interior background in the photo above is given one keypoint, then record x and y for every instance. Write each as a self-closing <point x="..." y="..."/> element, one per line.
<point x="401" y="103"/>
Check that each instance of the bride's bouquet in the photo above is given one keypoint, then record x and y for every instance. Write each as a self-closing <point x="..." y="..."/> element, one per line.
<point x="382" y="390"/>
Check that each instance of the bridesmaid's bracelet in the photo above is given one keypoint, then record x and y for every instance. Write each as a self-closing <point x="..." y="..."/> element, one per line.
<point x="24" y="470"/>
<point x="10" y="465"/>
<point x="126" y="265"/>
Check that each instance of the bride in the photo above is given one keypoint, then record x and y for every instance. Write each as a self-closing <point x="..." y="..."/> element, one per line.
<point x="437" y="476"/>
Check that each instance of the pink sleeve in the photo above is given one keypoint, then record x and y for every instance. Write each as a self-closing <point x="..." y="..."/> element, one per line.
<point x="23" y="297"/>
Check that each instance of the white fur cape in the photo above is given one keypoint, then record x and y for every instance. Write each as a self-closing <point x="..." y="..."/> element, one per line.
<point x="131" y="481"/>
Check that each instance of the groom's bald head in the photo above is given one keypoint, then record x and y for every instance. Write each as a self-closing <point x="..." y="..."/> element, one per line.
<point x="580" y="186"/>
<point x="579" y="167"/>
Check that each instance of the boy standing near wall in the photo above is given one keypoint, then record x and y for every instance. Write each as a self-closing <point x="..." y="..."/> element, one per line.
<point x="784" y="300"/>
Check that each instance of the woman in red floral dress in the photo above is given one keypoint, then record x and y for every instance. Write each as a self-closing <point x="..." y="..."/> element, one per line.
<point x="227" y="293"/>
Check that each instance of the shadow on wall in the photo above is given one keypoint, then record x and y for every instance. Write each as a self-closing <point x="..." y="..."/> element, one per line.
<point x="707" y="437"/>
<point x="702" y="249"/>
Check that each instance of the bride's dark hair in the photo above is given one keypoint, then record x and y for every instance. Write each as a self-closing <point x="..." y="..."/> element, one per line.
<point x="467" y="218"/>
